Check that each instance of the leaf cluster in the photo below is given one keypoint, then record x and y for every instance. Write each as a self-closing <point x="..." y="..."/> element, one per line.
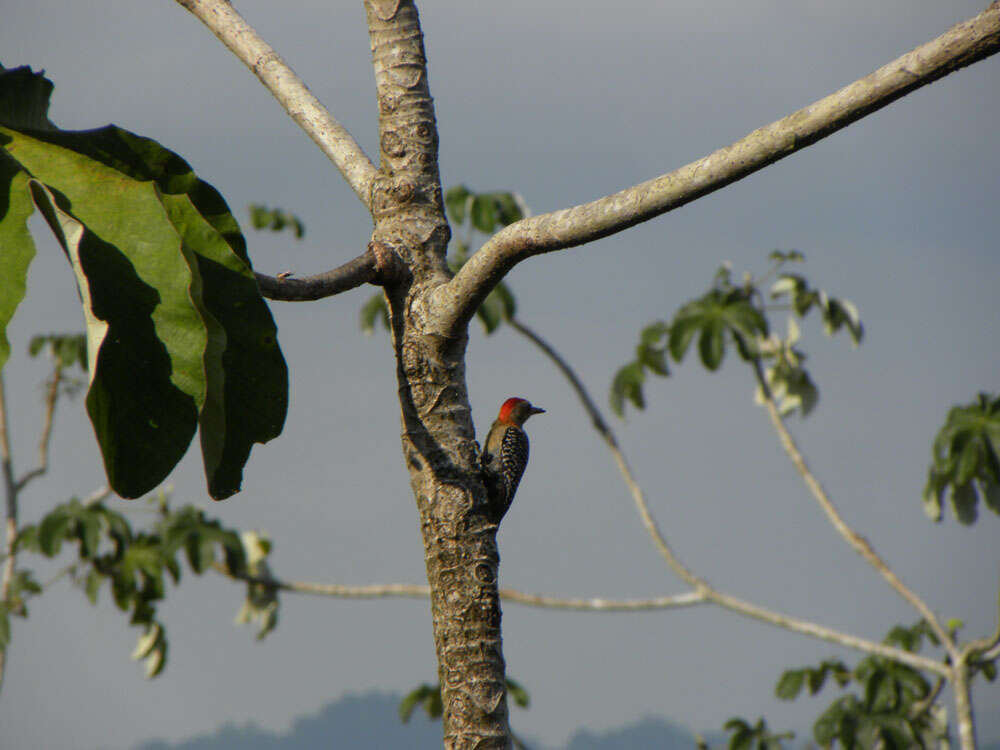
<point x="757" y="736"/>
<point x="964" y="461"/>
<point x="485" y="213"/>
<point x="275" y="219"/>
<point x="178" y="336"/>
<point x="893" y="705"/>
<point x="732" y="314"/>
<point x="66" y="349"/>
<point x="134" y="562"/>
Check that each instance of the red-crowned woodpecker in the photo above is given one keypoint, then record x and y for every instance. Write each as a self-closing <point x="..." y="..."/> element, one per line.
<point x="505" y="454"/>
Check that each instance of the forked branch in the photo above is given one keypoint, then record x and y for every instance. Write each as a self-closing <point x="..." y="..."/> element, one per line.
<point x="962" y="45"/>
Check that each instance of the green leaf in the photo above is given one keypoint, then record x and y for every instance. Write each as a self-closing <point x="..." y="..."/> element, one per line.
<point x="963" y="502"/>
<point x="433" y="704"/>
<point x="90" y="536"/>
<point x="989" y="670"/>
<point x="52" y="531"/>
<point x="455" y="199"/>
<point x="373" y="311"/>
<point x="712" y="344"/>
<point x="789" y="684"/>
<point x="24" y="98"/>
<point x="27" y="539"/>
<point x="654" y="360"/>
<point x="932" y="497"/>
<point x="682" y="330"/>
<point x="969" y="460"/>
<point x="654" y="333"/>
<point x="410" y="701"/>
<point x="991" y="497"/>
<point x="627" y="384"/>
<point x="144" y="398"/>
<point x="16" y="246"/>
<point x="508" y="209"/>
<point x="484" y="213"/>
<point x="93" y="585"/>
<point x="490" y="313"/>
<point x="177" y="329"/>
<point x="262" y="217"/>
<point x="4" y="627"/>
<point x="505" y="298"/>
<point x="517" y="693"/>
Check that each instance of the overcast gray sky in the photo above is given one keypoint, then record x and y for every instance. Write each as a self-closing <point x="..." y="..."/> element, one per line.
<point x="563" y="101"/>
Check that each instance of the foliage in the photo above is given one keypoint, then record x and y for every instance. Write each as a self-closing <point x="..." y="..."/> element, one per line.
<point x="893" y="707"/>
<point x="485" y="213"/>
<point x="262" y="217"/>
<point x="737" y="314"/>
<point x="178" y="336"/>
<point x="754" y="737"/>
<point x="964" y="461"/>
<point x="135" y="563"/>
<point x="428" y="697"/>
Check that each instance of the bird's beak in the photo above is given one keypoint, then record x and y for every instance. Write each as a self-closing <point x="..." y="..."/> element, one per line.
<point x="536" y="410"/>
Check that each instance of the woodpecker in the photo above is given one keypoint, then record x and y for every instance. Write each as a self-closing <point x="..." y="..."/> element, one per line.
<point x="505" y="454"/>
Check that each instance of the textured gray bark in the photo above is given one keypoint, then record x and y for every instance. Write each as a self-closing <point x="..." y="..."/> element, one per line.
<point x="438" y="436"/>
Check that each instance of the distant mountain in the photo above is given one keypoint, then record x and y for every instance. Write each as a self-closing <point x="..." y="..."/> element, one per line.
<point x="649" y="732"/>
<point x="356" y="721"/>
<point x="371" y="722"/>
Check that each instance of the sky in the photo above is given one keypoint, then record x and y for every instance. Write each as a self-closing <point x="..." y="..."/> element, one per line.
<point x="563" y="102"/>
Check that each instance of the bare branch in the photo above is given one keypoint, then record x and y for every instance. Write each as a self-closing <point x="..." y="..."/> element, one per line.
<point x="422" y="591"/>
<point x="290" y="91"/>
<point x="51" y="397"/>
<point x="702" y="589"/>
<point x="962" y="45"/>
<point x="858" y="542"/>
<point x="377" y="265"/>
<point x="600" y="604"/>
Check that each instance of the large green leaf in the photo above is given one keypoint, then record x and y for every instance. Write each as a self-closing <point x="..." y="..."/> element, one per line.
<point x="146" y="385"/>
<point x="16" y="247"/>
<point x="175" y="319"/>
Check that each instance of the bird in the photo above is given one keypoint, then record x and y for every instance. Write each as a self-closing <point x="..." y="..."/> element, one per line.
<point x="505" y="454"/>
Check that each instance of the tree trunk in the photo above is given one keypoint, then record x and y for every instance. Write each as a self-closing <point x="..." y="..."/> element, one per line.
<point x="438" y="437"/>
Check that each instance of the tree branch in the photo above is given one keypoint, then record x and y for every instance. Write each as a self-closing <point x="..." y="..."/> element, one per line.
<point x="377" y="265"/>
<point x="422" y="591"/>
<point x="858" y="542"/>
<point x="290" y="91"/>
<point x="702" y="588"/>
<point x="51" y="396"/>
<point x="962" y="45"/>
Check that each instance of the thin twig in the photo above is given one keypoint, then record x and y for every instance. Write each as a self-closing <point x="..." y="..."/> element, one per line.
<point x="51" y="398"/>
<point x="379" y="264"/>
<point x="422" y="591"/>
<point x="352" y="274"/>
<point x="858" y="542"/>
<point x="290" y="91"/>
<point x="601" y="425"/>
<point x="702" y="588"/>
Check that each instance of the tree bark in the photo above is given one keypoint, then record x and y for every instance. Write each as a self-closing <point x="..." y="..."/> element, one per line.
<point x="438" y="436"/>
